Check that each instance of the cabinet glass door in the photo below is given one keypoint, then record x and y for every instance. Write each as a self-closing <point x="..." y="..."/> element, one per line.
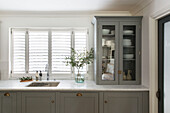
<point x="129" y="52"/>
<point x="109" y="52"/>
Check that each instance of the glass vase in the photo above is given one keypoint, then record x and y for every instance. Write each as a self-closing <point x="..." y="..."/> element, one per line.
<point x="79" y="78"/>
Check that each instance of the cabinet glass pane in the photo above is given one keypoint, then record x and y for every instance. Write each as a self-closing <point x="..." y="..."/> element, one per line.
<point x="129" y="48"/>
<point x="108" y="52"/>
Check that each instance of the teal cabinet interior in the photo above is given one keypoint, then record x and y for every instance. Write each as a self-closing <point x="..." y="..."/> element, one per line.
<point x="74" y="102"/>
<point x="117" y="47"/>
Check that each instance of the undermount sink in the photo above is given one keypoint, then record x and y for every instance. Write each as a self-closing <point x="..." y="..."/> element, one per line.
<point x="43" y="84"/>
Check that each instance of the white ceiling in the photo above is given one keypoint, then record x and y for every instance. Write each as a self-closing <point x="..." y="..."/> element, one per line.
<point x="67" y="5"/>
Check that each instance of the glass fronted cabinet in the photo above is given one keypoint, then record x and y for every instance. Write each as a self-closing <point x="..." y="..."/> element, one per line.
<point x="117" y="50"/>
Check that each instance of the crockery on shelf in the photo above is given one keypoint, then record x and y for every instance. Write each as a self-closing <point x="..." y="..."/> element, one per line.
<point x="105" y="31"/>
<point x="128" y="32"/>
<point x="127" y="42"/>
<point x="112" y="32"/>
<point x="128" y="56"/>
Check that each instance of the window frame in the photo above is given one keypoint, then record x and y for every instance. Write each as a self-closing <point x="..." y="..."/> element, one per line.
<point x="52" y="75"/>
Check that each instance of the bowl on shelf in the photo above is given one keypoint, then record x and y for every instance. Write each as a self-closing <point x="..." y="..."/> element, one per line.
<point x="105" y="31"/>
<point x="128" y="56"/>
<point x="127" y="42"/>
<point x="112" y="32"/>
<point x="128" y="32"/>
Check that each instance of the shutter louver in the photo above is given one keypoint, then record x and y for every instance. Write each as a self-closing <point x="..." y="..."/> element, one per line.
<point x="80" y="45"/>
<point x="18" y="51"/>
<point x="38" y="50"/>
<point x="61" y="47"/>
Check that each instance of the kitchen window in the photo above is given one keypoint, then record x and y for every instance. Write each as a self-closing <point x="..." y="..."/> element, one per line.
<point x="33" y="49"/>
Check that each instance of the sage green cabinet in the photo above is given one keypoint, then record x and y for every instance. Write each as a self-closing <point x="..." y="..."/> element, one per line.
<point x="38" y="102"/>
<point x="8" y="102"/>
<point x="74" y="102"/>
<point x="78" y="102"/>
<point x="126" y="102"/>
<point x="117" y="48"/>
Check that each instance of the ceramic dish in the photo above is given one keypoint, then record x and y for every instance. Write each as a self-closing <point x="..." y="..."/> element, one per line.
<point x="105" y="31"/>
<point x="128" y="56"/>
<point x="128" y="32"/>
<point x="128" y="40"/>
<point x="127" y="43"/>
<point x="112" y="32"/>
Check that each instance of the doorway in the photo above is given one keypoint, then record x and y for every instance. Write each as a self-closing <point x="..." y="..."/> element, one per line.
<point x="163" y="93"/>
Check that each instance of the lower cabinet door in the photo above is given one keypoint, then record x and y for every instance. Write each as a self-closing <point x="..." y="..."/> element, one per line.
<point x="78" y="102"/>
<point x="38" y="102"/>
<point x="122" y="102"/>
<point x="8" y="102"/>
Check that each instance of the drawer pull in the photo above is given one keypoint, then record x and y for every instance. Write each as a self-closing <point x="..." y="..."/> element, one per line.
<point x="79" y="94"/>
<point x="7" y="94"/>
<point x="52" y="101"/>
<point x="105" y="101"/>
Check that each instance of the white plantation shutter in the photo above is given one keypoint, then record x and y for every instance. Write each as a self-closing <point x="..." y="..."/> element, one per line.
<point x="18" y="50"/>
<point x="61" y="47"/>
<point x="80" y="44"/>
<point x="33" y="48"/>
<point x="38" y="50"/>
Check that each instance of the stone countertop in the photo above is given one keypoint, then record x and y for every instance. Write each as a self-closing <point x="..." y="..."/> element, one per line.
<point x="67" y="85"/>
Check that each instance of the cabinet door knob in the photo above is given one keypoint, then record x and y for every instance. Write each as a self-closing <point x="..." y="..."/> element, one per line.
<point x="105" y="101"/>
<point x="79" y="94"/>
<point x="7" y="94"/>
<point x="52" y="101"/>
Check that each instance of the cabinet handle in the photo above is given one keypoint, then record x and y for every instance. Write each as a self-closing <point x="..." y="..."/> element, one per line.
<point x="52" y="101"/>
<point x="7" y="94"/>
<point x="105" y="101"/>
<point x="79" y="94"/>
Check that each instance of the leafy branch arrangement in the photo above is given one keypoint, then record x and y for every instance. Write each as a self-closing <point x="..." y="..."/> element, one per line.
<point x="78" y="59"/>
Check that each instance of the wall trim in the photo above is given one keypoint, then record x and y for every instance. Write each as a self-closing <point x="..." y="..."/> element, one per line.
<point x="161" y="13"/>
<point x="63" y="13"/>
<point x="153" y="65"/>
<point x="153" y="56"/>
<point x="139" y="6"/>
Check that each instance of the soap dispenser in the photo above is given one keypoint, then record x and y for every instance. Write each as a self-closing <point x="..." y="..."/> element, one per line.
<point x="36" y="75"/>
<point x="40" y="74"/>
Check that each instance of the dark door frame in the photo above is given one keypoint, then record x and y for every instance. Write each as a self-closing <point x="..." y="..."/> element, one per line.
<point x="161" y="23"/>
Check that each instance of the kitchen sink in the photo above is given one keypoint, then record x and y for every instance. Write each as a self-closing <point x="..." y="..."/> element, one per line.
<point x="43" y="84"/>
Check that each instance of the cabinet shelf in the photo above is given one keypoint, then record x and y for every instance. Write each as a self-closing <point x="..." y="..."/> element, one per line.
<point x="129" y="59"/>
<point x="128" y="34"/>
<point x="129" y="46"/>
<point x="109" y="35"/>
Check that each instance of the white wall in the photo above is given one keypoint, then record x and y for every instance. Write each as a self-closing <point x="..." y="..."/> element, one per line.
<point x="151" y="12"/>
<point x="13" y="20"/>
<point x="147" y="12"/>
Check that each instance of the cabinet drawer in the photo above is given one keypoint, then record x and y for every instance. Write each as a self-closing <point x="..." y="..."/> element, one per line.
<point x="79" y="102"/>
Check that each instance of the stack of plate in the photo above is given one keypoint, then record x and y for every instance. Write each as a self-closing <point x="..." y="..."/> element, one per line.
<point x="128" y="32"/>
<point x="127" y="42"/>
<point x="128" y="56"/>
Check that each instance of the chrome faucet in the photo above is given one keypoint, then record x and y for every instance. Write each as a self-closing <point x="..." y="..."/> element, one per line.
<point x="47" y="70"/>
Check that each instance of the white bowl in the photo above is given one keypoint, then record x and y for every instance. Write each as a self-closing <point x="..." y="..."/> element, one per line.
<point x="112" y="32"/>
<point x="128" y="40"/>
<point x="105" y="31"/>
<point x="128" y="56"/>
<point x="128" y="32"/>
<point x="126" y="43"/>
